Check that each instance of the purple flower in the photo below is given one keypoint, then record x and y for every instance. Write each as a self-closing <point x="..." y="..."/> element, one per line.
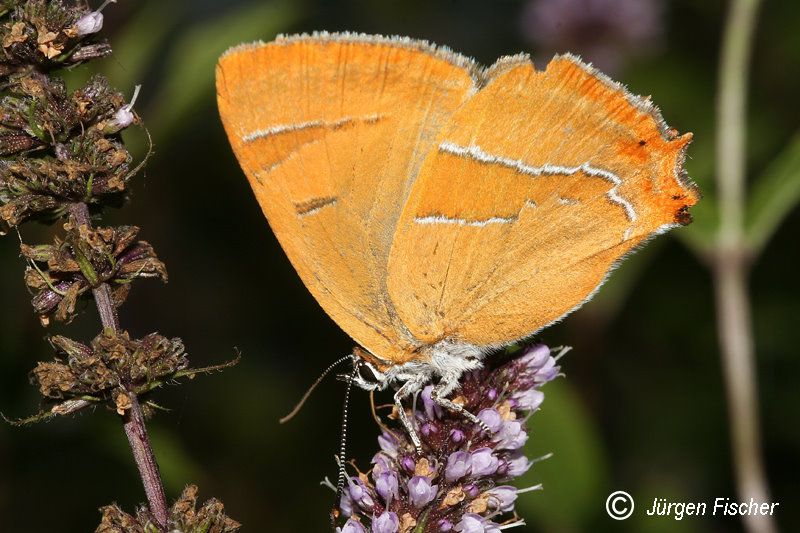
<point x="511" y="436"/>
<point x="458" y="466"/>
<point x="388" y="444"/>
<point x="546" y="372"/>
<point x="420" y="491"/>
<point x="387" y="522"/>
<point x="432" y="409"/>
<point x="386" y="485"/>
<point x="124" y="116"/>
<point x="534" y="357"/>
<point x="528" y="400"/>
<point x="492" y="419"/>
<point x="89" y="23"/>
<point x="408" y="464"/>
<point x="92" y="22"/>
<point x="483" y="463"/>
<point x="360" y="494"/>
<point x="503" y="497"/>
<point x="351" y="526"/>
<point x="471" y="490"/>
<point x="346" y="504"/>
<point x="470" y="523"/>
<point x="517" y="465"/>
<point x="382" y="464"/>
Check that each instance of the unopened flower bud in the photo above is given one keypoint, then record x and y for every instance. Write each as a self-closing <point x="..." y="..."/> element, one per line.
<point x="445" y="525"/>
<point x="457" y="436"/>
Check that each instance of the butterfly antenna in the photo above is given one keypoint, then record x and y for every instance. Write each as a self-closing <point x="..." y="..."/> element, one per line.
<point x="343" y="441"/>
<point x="311" y="389"/>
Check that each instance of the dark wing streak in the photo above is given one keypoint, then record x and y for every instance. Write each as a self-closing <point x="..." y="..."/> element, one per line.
<point x="314" y="204"/>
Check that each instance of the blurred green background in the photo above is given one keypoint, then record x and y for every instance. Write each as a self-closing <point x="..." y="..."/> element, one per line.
<point x="642" y="408"/>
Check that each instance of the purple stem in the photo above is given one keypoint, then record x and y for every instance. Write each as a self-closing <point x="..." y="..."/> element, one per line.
<point x="134" y="423"/>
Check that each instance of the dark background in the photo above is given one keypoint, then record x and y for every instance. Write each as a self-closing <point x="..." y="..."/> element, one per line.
<point x="642" y="407"/>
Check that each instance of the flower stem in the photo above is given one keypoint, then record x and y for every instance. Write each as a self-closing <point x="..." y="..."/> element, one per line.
<point x="134" y="423"/>
<point x="731" y="263"/>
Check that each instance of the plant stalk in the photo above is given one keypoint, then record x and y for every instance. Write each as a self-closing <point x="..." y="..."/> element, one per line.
<point x="134" y="423"/>
<point x="731" y="263"/>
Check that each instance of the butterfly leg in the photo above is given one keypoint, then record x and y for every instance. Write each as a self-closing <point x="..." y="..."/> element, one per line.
<point x="409" y="387"/>
<point x="379" y="381"/>
<point x="361" y="383"/>
<point x="439" y="395"/>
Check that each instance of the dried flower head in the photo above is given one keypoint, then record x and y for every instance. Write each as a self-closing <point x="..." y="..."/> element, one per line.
<point x="460" y="481"/>
<point x="47" y="34"/>
<point x="184" y="517"/>
<point x="64" y="148"/>
<point x="109" y="367"/>
<point x="83" y="260"/>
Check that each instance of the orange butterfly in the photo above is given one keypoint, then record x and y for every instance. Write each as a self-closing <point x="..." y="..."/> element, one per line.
<point x="436" y="209"/>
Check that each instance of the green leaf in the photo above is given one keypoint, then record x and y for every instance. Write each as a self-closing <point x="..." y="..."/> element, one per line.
<point x="775" y="193"/>
<point x="575" y="479"/>
<point x="191" y="63"/>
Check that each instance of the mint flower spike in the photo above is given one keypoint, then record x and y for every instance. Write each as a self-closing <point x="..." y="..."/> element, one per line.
<point x="460" y="482"/>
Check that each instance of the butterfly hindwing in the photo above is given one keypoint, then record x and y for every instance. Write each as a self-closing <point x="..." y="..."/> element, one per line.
<point x="535" y="188"/>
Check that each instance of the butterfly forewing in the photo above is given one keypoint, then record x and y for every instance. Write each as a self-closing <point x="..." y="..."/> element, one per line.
<point x="331" y="132"/>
